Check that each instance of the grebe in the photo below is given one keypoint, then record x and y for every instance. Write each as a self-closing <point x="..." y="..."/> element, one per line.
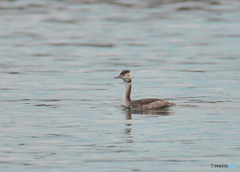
<point x="147" y="104"/>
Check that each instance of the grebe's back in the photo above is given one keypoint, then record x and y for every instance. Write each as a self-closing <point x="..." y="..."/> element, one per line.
<point x="150" y="103"/>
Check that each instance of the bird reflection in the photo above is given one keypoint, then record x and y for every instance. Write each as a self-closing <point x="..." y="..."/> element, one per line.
<point x="128" y="129"/>
<point x="128" y="116"/>
<point x="129" y="112"/>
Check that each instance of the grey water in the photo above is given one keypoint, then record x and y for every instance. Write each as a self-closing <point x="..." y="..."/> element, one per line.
<point x="60" y="106"/>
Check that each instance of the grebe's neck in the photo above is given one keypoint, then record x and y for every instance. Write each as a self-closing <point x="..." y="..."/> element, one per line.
<point x="126" y="100"/>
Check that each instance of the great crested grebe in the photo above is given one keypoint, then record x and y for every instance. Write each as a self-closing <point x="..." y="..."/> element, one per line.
<point x="147" y="104"/>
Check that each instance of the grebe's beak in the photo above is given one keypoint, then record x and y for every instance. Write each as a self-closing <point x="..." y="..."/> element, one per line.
<point x="118" y="77"/>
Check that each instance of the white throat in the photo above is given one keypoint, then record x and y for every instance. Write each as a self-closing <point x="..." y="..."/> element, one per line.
<point x="126" y="100"/>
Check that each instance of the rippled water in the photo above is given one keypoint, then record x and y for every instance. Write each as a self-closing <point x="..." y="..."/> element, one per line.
<point x="60" y="107"/>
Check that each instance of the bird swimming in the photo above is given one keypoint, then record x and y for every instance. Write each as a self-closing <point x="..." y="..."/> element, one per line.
<point x="146" y="104"/>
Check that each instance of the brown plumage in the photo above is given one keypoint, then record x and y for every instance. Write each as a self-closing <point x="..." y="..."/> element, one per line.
<point x="148" y="104"/>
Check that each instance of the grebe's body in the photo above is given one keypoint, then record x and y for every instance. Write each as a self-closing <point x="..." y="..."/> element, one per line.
<point x="147" y="104"/>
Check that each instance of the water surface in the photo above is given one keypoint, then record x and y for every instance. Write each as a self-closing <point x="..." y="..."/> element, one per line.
<point x="60" y="107"/>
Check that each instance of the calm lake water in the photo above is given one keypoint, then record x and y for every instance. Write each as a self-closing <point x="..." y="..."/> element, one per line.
<point x="60" y="106"/>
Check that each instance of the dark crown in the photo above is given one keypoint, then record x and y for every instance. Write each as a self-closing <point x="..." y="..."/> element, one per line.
<point x="124" y="72"/>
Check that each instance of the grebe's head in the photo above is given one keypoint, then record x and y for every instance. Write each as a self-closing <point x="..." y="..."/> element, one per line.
<point x="125" y="75"/>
